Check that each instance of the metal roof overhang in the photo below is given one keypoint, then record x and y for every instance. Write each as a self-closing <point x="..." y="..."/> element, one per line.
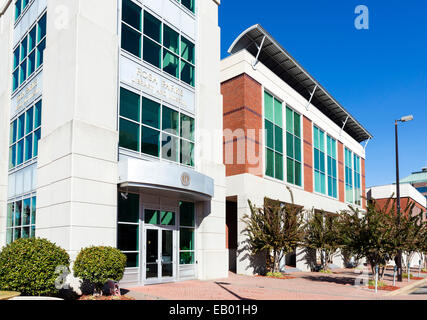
<point x="279" y="61"/>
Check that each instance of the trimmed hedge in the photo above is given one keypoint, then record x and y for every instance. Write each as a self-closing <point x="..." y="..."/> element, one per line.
<point x="100" y="264"/>
<point x="28" y="266"/>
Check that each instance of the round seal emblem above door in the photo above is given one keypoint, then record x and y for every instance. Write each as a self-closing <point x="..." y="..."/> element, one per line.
<point x="185" y="179"/>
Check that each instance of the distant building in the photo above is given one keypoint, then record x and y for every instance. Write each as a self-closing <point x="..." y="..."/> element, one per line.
<point x="418" y="180"/>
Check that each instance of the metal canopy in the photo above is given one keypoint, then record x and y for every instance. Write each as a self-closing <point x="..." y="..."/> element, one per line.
<point x="270" y="53"/>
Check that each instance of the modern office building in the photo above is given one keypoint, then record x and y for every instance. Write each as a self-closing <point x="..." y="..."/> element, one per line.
<point x="102" y="109"/>
<point x="418" y="181"/>
<point x="285" y="136"/>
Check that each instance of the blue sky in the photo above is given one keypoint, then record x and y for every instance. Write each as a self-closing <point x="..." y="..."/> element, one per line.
<point x="378" y="75"/>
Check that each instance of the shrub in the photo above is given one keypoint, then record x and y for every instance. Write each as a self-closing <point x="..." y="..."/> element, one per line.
<point x="97" y="265"/>
<point x="274" y="274"/>
<point x="371" y="283"/>
<point x="28" y="266"/>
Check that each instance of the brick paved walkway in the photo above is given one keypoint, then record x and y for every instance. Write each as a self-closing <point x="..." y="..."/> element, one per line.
<point x="306" y="286"/>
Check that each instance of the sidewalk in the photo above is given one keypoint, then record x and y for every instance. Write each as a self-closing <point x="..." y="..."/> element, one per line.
<point x="305" y="286"/>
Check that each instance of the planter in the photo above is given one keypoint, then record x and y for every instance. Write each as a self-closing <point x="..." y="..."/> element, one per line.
<point x="7" y="295"/>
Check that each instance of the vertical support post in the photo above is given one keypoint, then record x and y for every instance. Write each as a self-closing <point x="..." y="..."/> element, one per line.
<point x="419" y="268"/>
<point x="409" y="271"/>
<point x="399" y="255"/>
<point x="394" y="275"/>
<point x="376" y="278"/>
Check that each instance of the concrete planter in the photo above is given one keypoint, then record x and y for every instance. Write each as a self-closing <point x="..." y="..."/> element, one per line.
<point x="7" y="295"/>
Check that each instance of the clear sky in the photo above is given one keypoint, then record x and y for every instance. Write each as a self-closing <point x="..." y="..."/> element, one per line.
<point x="378" y="75"/>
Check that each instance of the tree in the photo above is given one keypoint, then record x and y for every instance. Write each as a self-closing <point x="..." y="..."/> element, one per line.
<point x="277" y="229"/>
<point x="322" y="233"/>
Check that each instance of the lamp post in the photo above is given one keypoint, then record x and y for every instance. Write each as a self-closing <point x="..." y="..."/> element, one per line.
<point x="399" y="255"/>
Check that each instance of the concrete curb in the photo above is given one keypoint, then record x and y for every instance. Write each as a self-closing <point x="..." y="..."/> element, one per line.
<point x="407" y="289"/>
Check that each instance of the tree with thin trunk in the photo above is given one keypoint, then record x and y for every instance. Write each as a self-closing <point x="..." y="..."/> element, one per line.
<point x="276" y="228"/>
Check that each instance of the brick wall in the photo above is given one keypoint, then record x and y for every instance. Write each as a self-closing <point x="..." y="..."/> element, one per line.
<point x="404" y="202"/>
<point x="308" y="154"/>
<point x="242" y="113"/>
<point x="341" y="181"/>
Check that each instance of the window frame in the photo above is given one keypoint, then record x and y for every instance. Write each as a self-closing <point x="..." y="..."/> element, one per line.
<point x="32" y="223"/>
<point x="301" y="138"/>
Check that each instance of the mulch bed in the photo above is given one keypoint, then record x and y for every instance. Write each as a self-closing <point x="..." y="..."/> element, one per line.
<point x="385" y="288"/>
<point x="88" y="297"/>
<point x="280" y="278"/>
<point x="417" y="278"/>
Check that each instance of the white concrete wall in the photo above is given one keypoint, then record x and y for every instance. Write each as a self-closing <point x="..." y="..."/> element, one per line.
<point x="77" y="167"/>
<point x="212" y="254"/>
<point x="406" y="190"/>
<point x="6" y="34"/>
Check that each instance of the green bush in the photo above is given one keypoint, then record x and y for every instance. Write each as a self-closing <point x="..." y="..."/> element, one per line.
<point x="28" y="266"/>
<point x="100" y="264"/>
<point x="371" y="283"/>
<point x="274" y="274"/>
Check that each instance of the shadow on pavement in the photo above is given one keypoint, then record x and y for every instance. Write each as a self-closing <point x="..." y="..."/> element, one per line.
<point x="221" y="285"/>
<point x="340" y="280"/>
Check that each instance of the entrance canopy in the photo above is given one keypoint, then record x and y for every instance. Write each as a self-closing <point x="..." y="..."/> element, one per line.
<point x="261" y="44"/>
<point x="164" y="179"/>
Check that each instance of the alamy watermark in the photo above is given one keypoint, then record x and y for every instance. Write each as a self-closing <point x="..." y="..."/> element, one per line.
<point x="361" y="22"/>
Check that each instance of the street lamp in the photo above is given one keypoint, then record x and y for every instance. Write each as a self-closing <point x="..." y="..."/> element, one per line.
<point x="399" y="255"/>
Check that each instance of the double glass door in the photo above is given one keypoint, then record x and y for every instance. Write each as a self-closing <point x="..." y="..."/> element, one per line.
<point x="160" y="253"/>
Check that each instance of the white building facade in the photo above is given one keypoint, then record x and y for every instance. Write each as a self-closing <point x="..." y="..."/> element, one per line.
<point x="105" y="104"/>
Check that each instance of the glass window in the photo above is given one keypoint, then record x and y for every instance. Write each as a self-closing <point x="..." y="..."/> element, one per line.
<point x="18" y="5"/>
<point x="23" y="72"/>
<point x="15" y="80"/>
<point x="150" y="141"/>
<point x="273" y="136"/>
<point x="170" y="39"/>
<point x="186" y="239"/>
<point x="187" y="73"/>
<point x="131" y="40"/>
<point x="29" y="121"/>
<point x="150" y="113"/>
<point x="189" y="4"/>
<point x="187" y="49"/>
<point x="128" y="207"/>
<point x="319" y="160"/>
<point x="357" y="184"/>
<point x="13" y="131"/>
<point x="26" y="212"/>
<point x="170" y="63"/>
<point x="28" y="147"/>
<point x="293" y="147"/>
<point x="187" y="153"/>
<point x="32" y="39"/>
<point x="170" y="121"/>
<point x="152" y="52"/>
<point x="187" y="127"/>
<point x="41" y="26"/>
<point x="31" y="63"/>
<point x="152" y="27"/>
<point x="348" y="176"/>
<point x="332" y="167"/>
<point x="24" y="48"/>
<point x="152" y="216"/>
<point x="40" y="53"/>
<point x="16" y="57"/>
<point x="21" y="126"/>
<point x="38" y="114"/>
<point x="186" y="214"/>
<point x="37" y="135"/>
<point x="130" y="105"/>
<point x="167" y="218"/>
<point x="129" y="135"/>
<point x="33" y="210"/>
<point x="9" y="219"/>
<point x="131" y="14"/>
<point x="20" y="154"/>
<point x="127" y="237"/>
<point x="170" y="147"/>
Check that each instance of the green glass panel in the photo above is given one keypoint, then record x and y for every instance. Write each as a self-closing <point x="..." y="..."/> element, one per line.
<point x="167" y="218"/>
<point x="9" y="236"/>
<point x="321" y="140"/>
<point x="16" y="57"/>
<point x="170" y="39"/>
<point x="187" y="73"/>
<point x="131" y="14"/>
<point x="41" y="26"/>
<point x="130" y="105"/>
<point x="170" y="147"/>
<point x="18" y="214"/>
<point x="322" y="161"/>
<point x="269" y="168"/>
<point x="131" y="40"/>
<point x="127" y="237"/>
<point x="29" y="120"/>
<point x="316" y="181"/>
<point x="33" y="210"/>
<point x="150" y="113"/>
<point x="187" y="50"/>
<point x="24" y="48"/>
<point x="15" y="80"/>
<point x="38" y="114"/>
<point x="186" y="257"/>
<point x="152" y="216"/>
<point x="36" y="139"/>
<point x="290" y="170"/>
<point x="40" y="53"/>
<point x="269" y="134"/>
<point x="26" y="212"/>
<point x="152" y="27"/>
<point x="132" y="259"/>
<point x="23" y="72"/>
<point x="20" y="152"/>
<point x="32" y="39"/>
<point x="31" y="63"/>
<point x="21" y="126"/>
<point x="278" y="113"/>
<point x="170" y="63"/>
<point x="170" y="121"/>
<point x="298" y="174"/>
<point x="18" y="5"/>
<point x="278" y="139"/>
<point x="289" y="120"/>
<point x="297" y="154"/>
<point x="152" y="52"/>
<point x="129" y="135"/>
<point x="316" y="159"/>
<point x="187" y="127"/>
<point x="186" y="239"/>
<point x="12" y="156"/>
<point x="289" y="145"/>
<point x="269" y="107"/>
<point x="316" y="137"/>
<point x="128" y="207"/>
<point x="13" y="131"/>
<point x="150" y="141"/>
<point x="33" y="232"/>
<point x="16" y="233"/>
<point x="297" y="125"/>
<point x="278" y="165"/>
<point x="28" y="147"/>
<point x="186" y="214"/>
<point x="187" y="153"/>
<point x="189" y="4"/>
<point x="9" y="219"/>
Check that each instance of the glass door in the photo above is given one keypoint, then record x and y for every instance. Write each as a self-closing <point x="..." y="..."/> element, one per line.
<point x="152" y="254"/>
